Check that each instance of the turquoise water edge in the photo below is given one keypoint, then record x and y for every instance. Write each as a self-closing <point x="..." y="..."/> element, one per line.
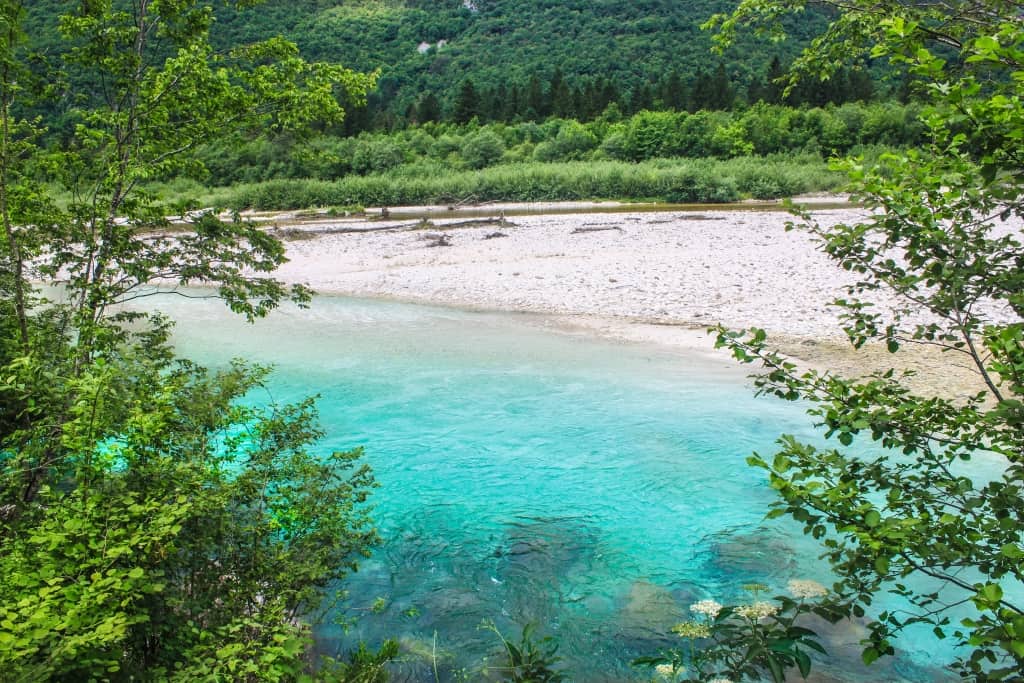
<point x="529" y="475"/>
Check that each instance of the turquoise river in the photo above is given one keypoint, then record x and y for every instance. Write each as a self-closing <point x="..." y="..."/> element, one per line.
<point x="532" y="475"/>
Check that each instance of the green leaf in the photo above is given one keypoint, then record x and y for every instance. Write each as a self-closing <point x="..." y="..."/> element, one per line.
<point x="778" y="673"/>
<point x="803" y="662"/>
<point x="1012" y="551"/>
<point x="991" y="593"/>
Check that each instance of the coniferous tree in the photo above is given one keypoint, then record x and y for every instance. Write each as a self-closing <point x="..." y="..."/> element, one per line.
<point x="512" y="109"/>
<point x="773" y="88"/>
<point x="428" y="109"/>
<point x="702" y="92"/>
<point x="723" y="94"/>
<point x="579" y="104"/>
<point x="467" y="103"/>
<point x="536" y="102"/>
<point x="861" y="86"/>
<point x="590" y="107"/>
<point x="673" y="93"/>
<point x="609" y="94"/>
<point x="560" y="97"/>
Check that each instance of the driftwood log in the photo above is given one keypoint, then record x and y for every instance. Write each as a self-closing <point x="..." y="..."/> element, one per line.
<point x="423" y="224"/>
<point x="439" y="239"/>
<point x="595" y="228"/>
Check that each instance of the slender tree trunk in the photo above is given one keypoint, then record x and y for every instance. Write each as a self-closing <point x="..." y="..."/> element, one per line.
<point x="14" y="251"/>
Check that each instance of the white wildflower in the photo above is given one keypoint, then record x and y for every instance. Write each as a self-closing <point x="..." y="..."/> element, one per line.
<point x="720" y="680"/>
<point x="665" y="671"/>
<point x="691" y="629"/>
<point x="757" y="610"/>
<point x="708" y="608"/>
<point x="806" y="588"/>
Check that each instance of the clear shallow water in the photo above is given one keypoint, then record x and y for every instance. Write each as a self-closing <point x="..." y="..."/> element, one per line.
<point x="592" y="488"/>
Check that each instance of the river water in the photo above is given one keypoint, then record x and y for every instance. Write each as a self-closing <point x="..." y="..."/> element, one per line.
<point x="531" y="475"/>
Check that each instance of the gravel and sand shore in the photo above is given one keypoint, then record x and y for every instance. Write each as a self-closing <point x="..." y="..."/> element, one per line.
<point x="653" y="276"/>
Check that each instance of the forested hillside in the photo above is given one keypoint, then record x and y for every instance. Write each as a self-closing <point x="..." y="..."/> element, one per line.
<point x="520" y="59"/>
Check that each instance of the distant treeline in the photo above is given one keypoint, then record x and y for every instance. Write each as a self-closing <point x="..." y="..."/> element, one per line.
<point x="538" y="99"/>
<point x="763" y="129"/>
<point x="506" y="61"/>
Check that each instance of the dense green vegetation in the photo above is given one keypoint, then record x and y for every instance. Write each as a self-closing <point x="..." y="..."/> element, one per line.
<point x="910" y="519"/>
<point x="526" y="59"/>
<point x="155" y="524"/>
<point x="761" y="130"/>
<point x="634" y="82"/>
<point x="677" y="181"/>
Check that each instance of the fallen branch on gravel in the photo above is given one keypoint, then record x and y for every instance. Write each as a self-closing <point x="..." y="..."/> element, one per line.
<point x="595" y="228"/>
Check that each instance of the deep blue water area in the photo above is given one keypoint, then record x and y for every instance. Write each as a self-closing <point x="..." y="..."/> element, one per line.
<point x="530" y="475"/>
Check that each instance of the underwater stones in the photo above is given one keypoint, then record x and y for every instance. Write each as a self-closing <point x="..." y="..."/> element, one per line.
<point x="546" y="548"/>
<point x="843" y="633"/>
<point x="843" y="641"/>
<point x="452" y="600"/>
<point x="597" y="605"/>
<point x="418" y="647"/>
<point x="648" y="611"/>
<point x="758" y="555"/>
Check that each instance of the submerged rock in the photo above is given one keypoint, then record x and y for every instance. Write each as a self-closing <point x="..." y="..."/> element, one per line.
<point x="760" y="555"/>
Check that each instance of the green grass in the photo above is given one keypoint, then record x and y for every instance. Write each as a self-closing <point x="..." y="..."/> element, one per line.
<point x="668" y="180"/>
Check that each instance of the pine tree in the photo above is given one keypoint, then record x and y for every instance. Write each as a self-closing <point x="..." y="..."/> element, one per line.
<point x="641" y="98"/>
<point x="702" y="94"/>
<point x="773" y="89"/>
<point x="861" y="86"/>
<point x="560" y="96"/>
<point x="428" y="109"/>
<point x="723" y="94"/>
<point x="673" y="93"/>
<point x="467" y="103"/>
<point x="536" y="103"/>
<point x="512" y="107"/>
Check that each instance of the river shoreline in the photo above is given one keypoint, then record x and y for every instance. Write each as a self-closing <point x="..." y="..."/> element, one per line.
<point x="659" y="277"/>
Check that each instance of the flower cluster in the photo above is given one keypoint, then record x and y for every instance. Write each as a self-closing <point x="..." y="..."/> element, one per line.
<point x="708" y="608"/>
<point x="757" y="610"/>
<point x="691" y="629"/>
<point x="720" y="680"/>
<point x="805" y="588"/>
<point x="665" y="671"/>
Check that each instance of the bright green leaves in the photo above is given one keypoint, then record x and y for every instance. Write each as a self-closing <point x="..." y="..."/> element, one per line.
<point x="871" y="520"/>
<point x="165" y="92"/>
<point x="75" y="584"/>
<point x="153" y="527"/>
<point x="936" y="242"/>
<point x="180" y="526"/>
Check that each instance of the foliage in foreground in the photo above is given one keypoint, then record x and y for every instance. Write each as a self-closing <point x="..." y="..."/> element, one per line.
<point x="182" y="535"/>
<point x="916" y="520"/>
<point x="153" y="526"/>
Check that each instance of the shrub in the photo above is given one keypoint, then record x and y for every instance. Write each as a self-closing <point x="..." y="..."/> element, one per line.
<point x="481" y="149"/>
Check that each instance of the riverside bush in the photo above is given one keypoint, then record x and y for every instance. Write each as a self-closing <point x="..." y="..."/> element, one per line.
<point x="760" y="130"/>
<point x="676" y="180"/>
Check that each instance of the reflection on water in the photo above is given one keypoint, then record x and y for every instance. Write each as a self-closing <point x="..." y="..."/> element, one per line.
<point x="594" y="489"/>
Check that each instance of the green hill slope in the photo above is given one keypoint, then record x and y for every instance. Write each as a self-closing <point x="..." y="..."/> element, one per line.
<point x="431" y="46"/>
<point x="635" y="52"/>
